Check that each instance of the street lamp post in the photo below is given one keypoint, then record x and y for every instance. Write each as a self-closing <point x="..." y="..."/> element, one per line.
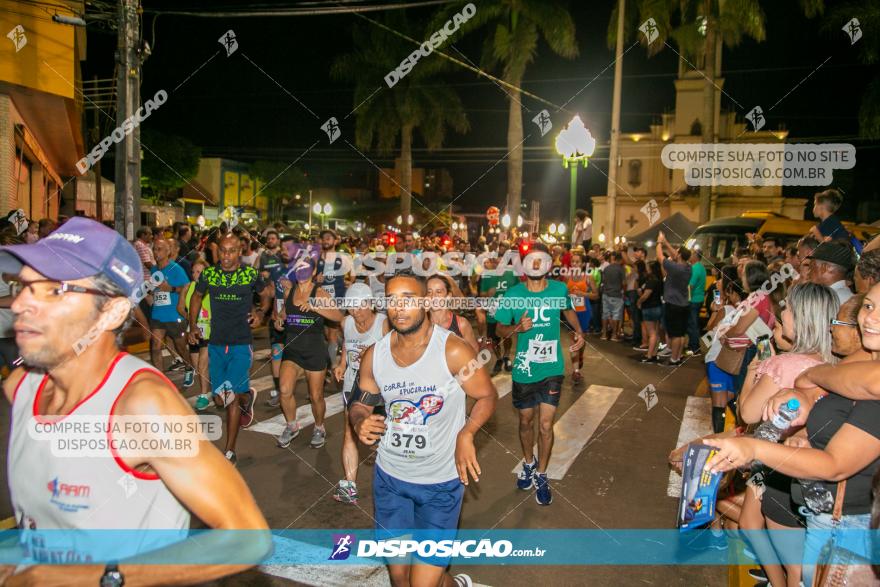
<point x="322" y="211"/>
<point x="575" y="144"/>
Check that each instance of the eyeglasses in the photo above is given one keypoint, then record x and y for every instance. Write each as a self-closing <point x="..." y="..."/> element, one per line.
<point x="843" y="323"/>
<point x="48" y="290"/>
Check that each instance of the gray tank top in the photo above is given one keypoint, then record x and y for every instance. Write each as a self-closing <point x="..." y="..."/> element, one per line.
<point x="425" y="408"/>
<point x="97" y="493"/>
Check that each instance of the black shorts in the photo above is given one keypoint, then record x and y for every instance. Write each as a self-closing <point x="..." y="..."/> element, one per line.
<point x="309" y="355"/>
<point x="491" y="328"/>
<point x="172" y="329"/>
<point x="676" y="319"/>
<point x="195" y="348"/>
<point x="776" y="502"/>
<point x="529" y="395"/>
<point x="276" y="336"/>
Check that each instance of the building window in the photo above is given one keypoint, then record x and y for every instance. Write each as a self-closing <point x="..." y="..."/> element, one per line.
<point x="635" y="173"/>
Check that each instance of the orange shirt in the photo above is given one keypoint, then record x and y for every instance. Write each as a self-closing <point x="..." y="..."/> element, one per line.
<point x="578" y="287"/>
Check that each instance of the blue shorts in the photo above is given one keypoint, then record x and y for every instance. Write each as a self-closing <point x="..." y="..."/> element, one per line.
<point x="654" y="314"/>
<point x="719" y="381"/>
<point x="229" y="367"/>
<point x="432" y="509"/>
<point x="584" y="318"/>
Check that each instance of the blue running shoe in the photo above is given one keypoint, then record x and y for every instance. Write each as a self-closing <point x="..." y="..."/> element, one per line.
<point x="526" y="479"/>
<point x="543" y="495"/>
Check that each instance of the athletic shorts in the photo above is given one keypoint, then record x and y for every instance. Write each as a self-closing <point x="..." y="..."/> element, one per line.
<point x="654" y="314"/>
<point x="677" y="319"/>
<point x="433" y="508"/>
<point x="492" y="330"/>
<point x="229" y="366"/>
<point x="584" y="319"/>
<point x="308" y="355"/>
<point x="172" y="329"/>
<point x="612" y="308"/>
<point x="776" y="502"/>
<point x="529" y="395"/>
<point x="276" y="336"/>
<point x="719" y="381"/>
<point x="195" y="348"/>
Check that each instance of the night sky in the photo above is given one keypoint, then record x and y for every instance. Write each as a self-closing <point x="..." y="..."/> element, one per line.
<point x="231" y="109"/>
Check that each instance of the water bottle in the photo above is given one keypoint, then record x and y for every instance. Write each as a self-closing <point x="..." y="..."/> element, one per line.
<point x="772" y="429"/>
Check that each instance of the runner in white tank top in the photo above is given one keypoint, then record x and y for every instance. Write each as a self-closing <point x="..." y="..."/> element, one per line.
<point x="361" y="329"/>
<point x="421" y="375"/>
<point x="78" y="287"/>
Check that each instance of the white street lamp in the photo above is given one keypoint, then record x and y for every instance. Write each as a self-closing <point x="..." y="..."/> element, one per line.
<point x="505" y="220"/>
<point x="561" y="228"/>
<point x="519" y="221"/>
<point x="328" y="209"/>
<point x="409" y="218"/>
<point x="575" y="144"/>
<point x="316" y="208"/>
<point x="400" y="219"/>
<point x="601" y="237"/>
<point x="455" y="226"/>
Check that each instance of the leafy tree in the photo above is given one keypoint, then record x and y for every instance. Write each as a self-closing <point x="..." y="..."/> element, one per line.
<point x="280" y="181"/>
<point x="385" y="115"/>
<point x="169" y="162"/>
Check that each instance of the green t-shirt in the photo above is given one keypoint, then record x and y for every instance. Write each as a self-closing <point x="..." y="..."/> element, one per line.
<point x="538" y="350"/>
<point x="697" y="283"/>
<point x="204" y="319"/>
<point x="501" y="283"/>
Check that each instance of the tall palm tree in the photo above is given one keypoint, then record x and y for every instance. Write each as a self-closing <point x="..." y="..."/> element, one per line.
<point x="514" y="29"/>
<point x="699" y="28"/>
<point x="385" y="115"/>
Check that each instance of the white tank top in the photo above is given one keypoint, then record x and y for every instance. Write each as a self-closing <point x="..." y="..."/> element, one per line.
<point x="100" y="493"/>
<point x="425" y="408"/>
<point x="355" y="344"/>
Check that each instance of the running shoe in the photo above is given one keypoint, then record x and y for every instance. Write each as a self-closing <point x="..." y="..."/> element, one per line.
<point x="543" y="495"/>
<point x="664" y="352"/>
<point x="177" y="365"/>
<point x="319" y="437"/>
<point x="274" y="399"/>
<point x="673" y="363"/>
<point x="710" y="540"/>
<point x="526" y="478"/>
<point x="462" y="581"/>
<point x="346" y="492"/>
<point x="202" y="402"/>
<point x="247" y="409"/>
<point x="188" y="377"/>
<point x="653" y="359"/>
<point x="758" y="575"/>
<point x="230" y="456"/>
<point x="690" y="353"/>
<point x="508" y="364"/>
<point x="641" y="349"/>
<point x="287" y="435"/>
<point x="576" y="376"/>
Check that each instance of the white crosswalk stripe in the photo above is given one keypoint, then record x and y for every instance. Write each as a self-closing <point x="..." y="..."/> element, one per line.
<point x="573" y="430"/>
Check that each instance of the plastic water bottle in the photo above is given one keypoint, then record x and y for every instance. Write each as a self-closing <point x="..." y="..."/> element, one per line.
<point x="772" y="429"/>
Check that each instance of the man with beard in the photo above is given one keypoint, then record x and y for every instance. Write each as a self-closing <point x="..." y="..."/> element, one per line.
<point x="86" y="277"/>
<point x="332" y="280"/>
<point x="539" y="364"/>
<point x="421" y="375"/>
<point x="231" y="286"/>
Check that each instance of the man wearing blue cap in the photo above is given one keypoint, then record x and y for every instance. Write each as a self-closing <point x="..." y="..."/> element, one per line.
<point x="78" y="287"/>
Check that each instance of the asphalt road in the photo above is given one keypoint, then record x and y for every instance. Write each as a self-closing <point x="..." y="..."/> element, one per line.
<point x="617" y="481"/>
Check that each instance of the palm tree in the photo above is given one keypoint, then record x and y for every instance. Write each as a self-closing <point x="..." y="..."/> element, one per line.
<point x="416" y="102"/>
<point x="515" y="28"/>
<point x="699" y="28"/>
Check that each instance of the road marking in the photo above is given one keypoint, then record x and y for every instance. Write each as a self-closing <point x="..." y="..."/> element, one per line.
<point x="340" y="575"/>
<point x="696" y="422"/>
<point x="259" y="384"/>
<point x="304" y="417"/>
<point x="573" y="430"/>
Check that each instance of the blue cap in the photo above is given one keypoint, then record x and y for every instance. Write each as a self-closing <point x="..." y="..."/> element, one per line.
<point x="77" y="249"/>
<point x="793" y="404"/>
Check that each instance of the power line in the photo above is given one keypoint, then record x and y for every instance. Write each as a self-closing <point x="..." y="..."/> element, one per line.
<point x="292" y="11"/>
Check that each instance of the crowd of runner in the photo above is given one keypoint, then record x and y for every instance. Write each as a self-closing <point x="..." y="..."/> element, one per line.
<point x="408" y="344"/>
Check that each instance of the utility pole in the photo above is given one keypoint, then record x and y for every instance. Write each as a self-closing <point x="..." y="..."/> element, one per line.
<point x="96" y="168"/>
<point x="611" y="200"/>
<point x="128" y="151"/>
